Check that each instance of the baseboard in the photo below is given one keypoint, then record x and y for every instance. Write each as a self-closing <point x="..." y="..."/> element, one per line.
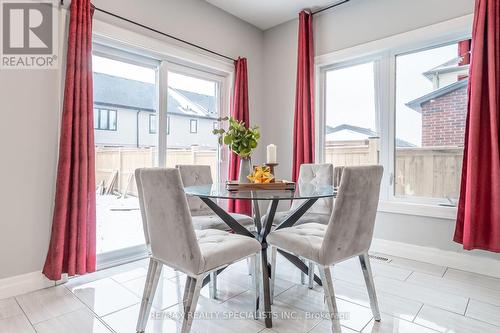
<point x="22" y="284"/>
<point x="457" y="260"/>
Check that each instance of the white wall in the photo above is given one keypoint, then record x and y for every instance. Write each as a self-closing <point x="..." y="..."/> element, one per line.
<point x="354" y="23"/>
<point x="30" y="115"/>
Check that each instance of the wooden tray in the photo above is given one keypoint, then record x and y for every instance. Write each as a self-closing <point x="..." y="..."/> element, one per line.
<point x="276" y="186"/>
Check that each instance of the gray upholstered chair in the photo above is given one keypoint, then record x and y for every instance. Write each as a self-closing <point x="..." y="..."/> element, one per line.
<point x="203" y="216"/>
<point x="320" y="212"/>
<point x="348" y="234"/>
<point x="174" y="242"/>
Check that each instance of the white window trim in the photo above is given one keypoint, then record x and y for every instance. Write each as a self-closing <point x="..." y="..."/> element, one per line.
<point x="384" y="51"/>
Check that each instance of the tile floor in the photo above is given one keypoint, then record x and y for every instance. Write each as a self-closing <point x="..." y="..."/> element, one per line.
<point x="414" y="297"/>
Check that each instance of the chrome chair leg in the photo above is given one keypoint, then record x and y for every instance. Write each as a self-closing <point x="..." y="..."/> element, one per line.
<point x="364" y="260"/>
<point x="302" y="275"/>
<point x="256" y="276"/>
<point x="326" y="278"/>
<point x="193" y="293"/>
<point x="274" y="253"/>
<point x="213" y="285"/>
<point x="154" y="272"/>
<point x="311" y="274"/>
<point x="189" y="280"/>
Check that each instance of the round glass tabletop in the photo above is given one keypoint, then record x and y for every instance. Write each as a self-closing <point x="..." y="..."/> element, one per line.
<point x="303" y="191"/>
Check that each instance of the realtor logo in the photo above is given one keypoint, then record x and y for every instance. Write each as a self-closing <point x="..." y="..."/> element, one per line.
<point x="29" y="34"/>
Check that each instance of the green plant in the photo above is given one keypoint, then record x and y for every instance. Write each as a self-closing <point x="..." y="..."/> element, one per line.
<point x="241" y="140"/>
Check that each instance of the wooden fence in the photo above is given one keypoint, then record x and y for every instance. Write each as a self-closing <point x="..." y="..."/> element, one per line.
<point x="427" y="172"/>
<point x="124" y="161"/>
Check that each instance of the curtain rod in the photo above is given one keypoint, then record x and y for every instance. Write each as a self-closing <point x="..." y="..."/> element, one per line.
<point x="160" y="32"/>
<point x="329" y="7"/>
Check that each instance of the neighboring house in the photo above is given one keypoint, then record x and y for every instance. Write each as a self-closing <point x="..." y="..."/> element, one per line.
<point x="350" y="135"/>
<point x="125" y="115"/>
<point x="444" y="110"/>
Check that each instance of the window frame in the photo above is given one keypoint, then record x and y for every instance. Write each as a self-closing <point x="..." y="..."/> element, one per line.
<point x="151" y="129"/>
<point x="108" y="112"/>
<point x="386" y="50"/>
<point x="191" y="122"/>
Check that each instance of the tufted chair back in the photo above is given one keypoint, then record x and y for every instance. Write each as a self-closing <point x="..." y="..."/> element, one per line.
<point x="168" y="221"/>
<point x="350" y="230"/>
<point x="194" y="175"/>
<point x="316" y="175"/>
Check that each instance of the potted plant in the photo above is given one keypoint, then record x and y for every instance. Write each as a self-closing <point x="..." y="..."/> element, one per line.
<point x="242" y="141"/>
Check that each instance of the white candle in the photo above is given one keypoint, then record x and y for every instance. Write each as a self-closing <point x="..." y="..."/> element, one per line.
<point x="271" y="154"/>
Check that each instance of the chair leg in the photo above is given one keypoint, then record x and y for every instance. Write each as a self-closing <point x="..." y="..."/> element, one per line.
<point x="311" y="274"/>
<point x="193" y="294"/>
<point x="274" y="253"/>
<point x="326" y="278"/>
<point x="213" y="285"/>
<point x="256" y="285"/>
<point x="302" y="275"/>
<point x="154" y="272"/>
<point x="250" y="265"/>
<point x="364" y="259"/>
<point x="187" y="287"/>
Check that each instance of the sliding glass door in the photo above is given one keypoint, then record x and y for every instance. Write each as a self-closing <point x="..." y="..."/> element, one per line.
<point x="125" y="108"/>
<point x="147" y="113"/>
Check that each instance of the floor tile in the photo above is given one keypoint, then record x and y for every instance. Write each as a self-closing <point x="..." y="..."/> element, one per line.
<point x="446" y="322"/>
<point x="426" y="295"/>
<point x="80" y="321"/>
<point x="353" y="316"/>
<point x="130" y="275"/>
<point x="473" y="278"/>
<point x="105" y="296"/>
<point x="16" y="324"/>
<point x="225" y="290"/>
<point x="48" y="303"/>
<point x="456" y="287"/>
<point x="125" y="321"/>
<point x="390" y="304"/>
<point x="325" y="326"/>
<point x="483" y="311"/>
<point x="417" y="266"/>
<point x="168" y="293"/>
<point x="9" y="308"/>
<point x="395" y="325"/>
<point x="350" y="270"/>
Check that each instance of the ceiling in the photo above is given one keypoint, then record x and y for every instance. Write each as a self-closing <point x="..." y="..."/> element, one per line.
<point x="266" y="14"/>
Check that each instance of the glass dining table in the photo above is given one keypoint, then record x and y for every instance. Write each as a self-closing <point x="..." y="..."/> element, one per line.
<point x="307" y="193"/>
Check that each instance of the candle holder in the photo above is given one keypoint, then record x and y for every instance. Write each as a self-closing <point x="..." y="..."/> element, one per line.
<point x="271" y="169"/>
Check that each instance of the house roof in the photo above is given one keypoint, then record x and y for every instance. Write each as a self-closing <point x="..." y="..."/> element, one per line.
<point x="416" y="104"/>
<point x="346" y="132"/>
<point x="116" y="91"/>
<point x="449" y="66"/>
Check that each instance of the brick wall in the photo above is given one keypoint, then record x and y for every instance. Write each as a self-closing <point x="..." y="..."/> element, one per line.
<point x="443" y="119"/>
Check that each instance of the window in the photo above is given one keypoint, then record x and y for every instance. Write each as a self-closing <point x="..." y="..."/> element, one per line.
<point x="193" y="126"/>
<point x="195" y="100"/>
<point x="351" y="134"/>
<point x="152" y="124"/>
<point x="431" y="108"/>
<point x="403" y="107"/>
<point x="215" y="125"/>
<point x="105" y="119"/>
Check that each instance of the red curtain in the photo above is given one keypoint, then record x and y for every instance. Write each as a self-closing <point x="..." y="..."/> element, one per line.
<point x="303" y="127"/>
<point x="72" y="243"/>
<point x="239" y="111"/>
<point x="478" y="220"/>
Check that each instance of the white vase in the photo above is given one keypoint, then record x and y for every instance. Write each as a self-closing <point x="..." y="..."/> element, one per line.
<point x="245" y="169"/>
